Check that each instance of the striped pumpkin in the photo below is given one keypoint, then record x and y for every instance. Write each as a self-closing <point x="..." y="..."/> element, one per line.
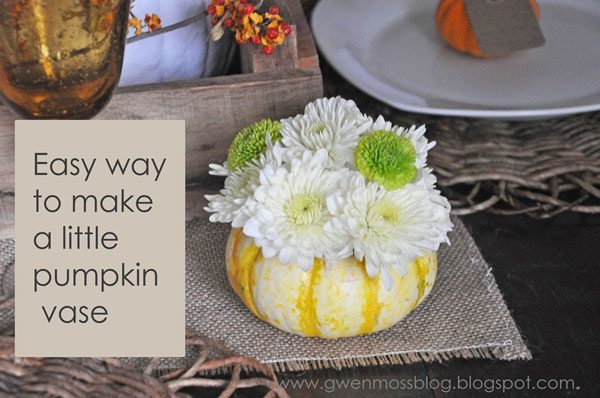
<point x="331" y="300"/>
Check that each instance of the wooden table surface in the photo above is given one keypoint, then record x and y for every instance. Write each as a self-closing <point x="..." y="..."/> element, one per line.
<point x="549" y="274"/>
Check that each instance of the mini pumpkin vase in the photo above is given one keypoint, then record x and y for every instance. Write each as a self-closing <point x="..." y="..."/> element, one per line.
<point x="333" y="299"/>
<point x="452" y="23"/>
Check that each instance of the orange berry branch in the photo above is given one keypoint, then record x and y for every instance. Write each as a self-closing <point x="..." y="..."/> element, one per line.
<point x="150" y="23"/>
<point x="242" y="17"/>
<point x="248" y="23"/>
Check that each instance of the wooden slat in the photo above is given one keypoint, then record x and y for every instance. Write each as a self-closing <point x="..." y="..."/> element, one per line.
<point x="214" y="109"/>
<point x="307" y="51"/>
<point x="7" y="149"/>
<point x="7" y="216"/>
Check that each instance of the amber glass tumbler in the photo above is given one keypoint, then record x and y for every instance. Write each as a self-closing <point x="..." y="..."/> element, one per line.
<point x="61" y="59"/>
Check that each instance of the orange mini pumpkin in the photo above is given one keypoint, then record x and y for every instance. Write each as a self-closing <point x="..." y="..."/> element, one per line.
<point x="452" y="23"/>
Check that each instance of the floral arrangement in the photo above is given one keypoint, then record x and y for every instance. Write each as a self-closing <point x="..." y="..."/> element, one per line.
<point x="333" y="183"/>
<point x="242" y="17"/>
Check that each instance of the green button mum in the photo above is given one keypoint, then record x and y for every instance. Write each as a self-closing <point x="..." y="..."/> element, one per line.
<point x="387" y="159"/>
<point x="249" y="143"/>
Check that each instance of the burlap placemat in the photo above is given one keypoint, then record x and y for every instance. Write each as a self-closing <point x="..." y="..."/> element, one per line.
<point x="464" y="316"/>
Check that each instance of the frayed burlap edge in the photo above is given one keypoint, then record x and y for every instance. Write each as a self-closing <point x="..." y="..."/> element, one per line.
<point x="399" y="358"/>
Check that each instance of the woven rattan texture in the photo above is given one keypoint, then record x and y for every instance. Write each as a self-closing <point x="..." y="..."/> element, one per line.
<point x="539" y="168"/>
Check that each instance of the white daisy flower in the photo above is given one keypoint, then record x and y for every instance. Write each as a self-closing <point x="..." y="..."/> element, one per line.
<point x="388" y="229"/>
<point x="416" y="135"/>
<point x="425" y="179"/>
<point x="219" y="170"/>
<point x="231" y="204"/>
<point x="334" y="124"/>
<point x="290" y="212"/>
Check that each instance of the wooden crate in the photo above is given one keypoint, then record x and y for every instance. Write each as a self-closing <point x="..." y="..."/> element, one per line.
<point x="214" y="109"/>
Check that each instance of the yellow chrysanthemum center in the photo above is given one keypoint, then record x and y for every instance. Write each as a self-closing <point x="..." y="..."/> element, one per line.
<point x="386" y="158"/>
<point x="388" y="212"/>
<point x="304" y="209"/>
<point x="249" y="143"/>
<point x="318" y="128"/>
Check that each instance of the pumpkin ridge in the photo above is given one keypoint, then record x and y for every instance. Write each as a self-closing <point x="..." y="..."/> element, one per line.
<point x="246" y="277"/>
<point x="252" y="283"/>
<point x="471" y="44"/>
<point x="444" y="8"/>
<point x="306" y="302"/>
<point x="447" y="29"/>
<point x="422" y="267"/>
<point x="371" y="305"/>
<point x="234" y="263"/>
<point x="463" y="29"/>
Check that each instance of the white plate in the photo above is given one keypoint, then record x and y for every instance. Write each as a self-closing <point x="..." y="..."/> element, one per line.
<point x="391" y="50"/>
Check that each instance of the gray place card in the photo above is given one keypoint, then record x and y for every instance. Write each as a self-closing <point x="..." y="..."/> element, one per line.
<point x="504" y="26"/>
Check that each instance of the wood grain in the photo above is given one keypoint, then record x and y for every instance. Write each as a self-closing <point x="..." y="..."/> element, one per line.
<point x="7" y="218"/>
<point x="307" y="51"/>
<point x="7" y="149"/>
